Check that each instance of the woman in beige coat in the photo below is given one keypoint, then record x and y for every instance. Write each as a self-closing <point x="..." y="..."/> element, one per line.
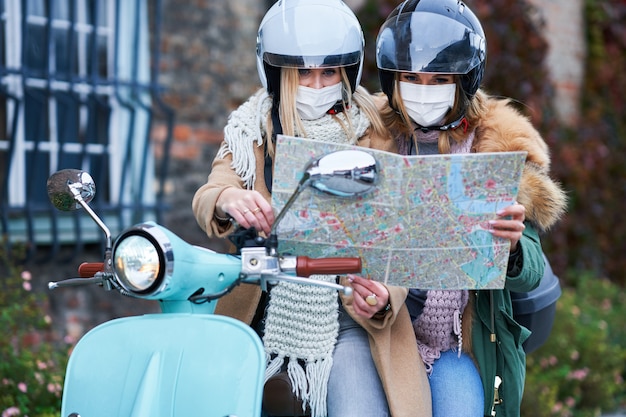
<point x="352" y="356"/>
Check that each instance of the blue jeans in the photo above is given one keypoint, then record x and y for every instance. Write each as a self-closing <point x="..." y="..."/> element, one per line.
<point x="456" y="387"/>
<point x="354" y="387"/>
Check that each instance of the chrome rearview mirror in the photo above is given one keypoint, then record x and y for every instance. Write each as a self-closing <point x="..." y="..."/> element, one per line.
<point x="347" y="173"/>
<point x="70" y="189"/>
<point x="343" y="173"/>
<point x="67" y="187"/>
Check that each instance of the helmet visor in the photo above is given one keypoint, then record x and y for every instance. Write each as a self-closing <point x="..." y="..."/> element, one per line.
<point x="300" y="61"/>
<point x="428" y="42"/>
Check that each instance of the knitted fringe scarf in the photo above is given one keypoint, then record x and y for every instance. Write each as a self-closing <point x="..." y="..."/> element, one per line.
<point x="439" y="327"/>
<point x="301" y="323"/>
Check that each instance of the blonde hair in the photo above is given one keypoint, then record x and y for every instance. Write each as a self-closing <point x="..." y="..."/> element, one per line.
<point x="400" y="125"/>
<point x="292" y="122"/>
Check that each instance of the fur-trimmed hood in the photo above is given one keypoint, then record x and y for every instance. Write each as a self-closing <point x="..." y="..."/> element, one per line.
<point x="504" y="129"/>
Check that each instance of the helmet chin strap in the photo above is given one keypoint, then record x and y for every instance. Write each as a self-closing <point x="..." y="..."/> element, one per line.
<point x="461" y="121"/>
<point x="337" y="108"/>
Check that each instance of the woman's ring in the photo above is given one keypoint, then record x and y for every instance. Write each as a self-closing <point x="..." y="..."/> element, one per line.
<point x="371" y="300"/>
<point x="256" y="210"/>
<point x="246" y="211"/>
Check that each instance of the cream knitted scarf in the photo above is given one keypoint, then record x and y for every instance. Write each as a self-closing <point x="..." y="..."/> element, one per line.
<point x="247" y="127"/>
<point x="439" y="327"/>
<point x="301" y="324"/>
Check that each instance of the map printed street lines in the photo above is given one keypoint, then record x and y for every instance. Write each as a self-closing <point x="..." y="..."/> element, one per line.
<point x="425" y="226"/>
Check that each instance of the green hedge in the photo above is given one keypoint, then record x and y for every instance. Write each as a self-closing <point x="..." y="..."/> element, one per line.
<point x="580" y="370"/>
<point x="32" y="360"/>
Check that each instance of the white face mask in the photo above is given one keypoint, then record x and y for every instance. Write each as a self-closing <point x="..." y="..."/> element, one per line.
<point x="313" y="103"/>
<point x="427" y="105"/>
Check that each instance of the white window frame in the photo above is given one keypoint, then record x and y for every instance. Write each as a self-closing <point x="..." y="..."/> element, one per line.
<point x="126" y="56"/>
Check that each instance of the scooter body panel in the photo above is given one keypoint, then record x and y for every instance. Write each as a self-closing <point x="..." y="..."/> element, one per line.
<point x="174" y="365"/>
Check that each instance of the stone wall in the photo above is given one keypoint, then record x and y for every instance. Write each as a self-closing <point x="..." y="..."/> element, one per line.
<point x="566" y="54"/>
<point x="208" y="68"/>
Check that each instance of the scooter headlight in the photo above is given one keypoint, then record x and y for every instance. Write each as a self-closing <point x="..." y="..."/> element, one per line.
<point x="137" y="263"/>
<point x="140" y="259"/>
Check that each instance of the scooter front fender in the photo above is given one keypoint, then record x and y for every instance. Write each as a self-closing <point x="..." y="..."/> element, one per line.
<point x="174" y="365"/>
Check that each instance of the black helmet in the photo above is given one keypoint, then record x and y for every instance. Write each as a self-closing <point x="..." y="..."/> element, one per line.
<point x="309" y="34"/>
<point x="437" y="36"/>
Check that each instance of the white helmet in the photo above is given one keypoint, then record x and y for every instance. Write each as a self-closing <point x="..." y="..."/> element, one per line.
<point x="309" y="34"/>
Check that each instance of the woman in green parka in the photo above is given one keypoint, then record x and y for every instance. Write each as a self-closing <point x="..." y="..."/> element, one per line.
<point x="431" y="59"/>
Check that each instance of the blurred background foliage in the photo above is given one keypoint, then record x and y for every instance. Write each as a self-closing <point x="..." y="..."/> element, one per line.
<point x="580" y="370"/>
<point x="32" y="357"/>
<point x="589" y="159"/>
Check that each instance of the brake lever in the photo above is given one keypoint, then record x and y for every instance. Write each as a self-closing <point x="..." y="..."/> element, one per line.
<point x="101" y="278"/>
<point x="274" y="278"/>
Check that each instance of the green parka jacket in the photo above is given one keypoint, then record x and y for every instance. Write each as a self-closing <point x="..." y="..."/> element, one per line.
<point x="496" y="337"/>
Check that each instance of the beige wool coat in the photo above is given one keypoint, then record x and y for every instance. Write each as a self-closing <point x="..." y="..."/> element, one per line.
<point x="392" y="340"/>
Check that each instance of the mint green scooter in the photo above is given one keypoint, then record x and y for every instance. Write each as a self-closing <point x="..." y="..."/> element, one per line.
<point x="187" y="361"/>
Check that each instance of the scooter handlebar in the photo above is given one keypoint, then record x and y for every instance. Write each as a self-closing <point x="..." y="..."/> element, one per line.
<point x="306" y="266"/>
<point x="89" y="269"/>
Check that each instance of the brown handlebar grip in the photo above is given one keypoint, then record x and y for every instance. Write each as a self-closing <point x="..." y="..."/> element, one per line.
<point x="89" y="269"/>
<point x="306" y="266"/>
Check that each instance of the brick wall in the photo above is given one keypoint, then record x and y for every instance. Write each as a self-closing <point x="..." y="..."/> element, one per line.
<point x="208" y="68"/>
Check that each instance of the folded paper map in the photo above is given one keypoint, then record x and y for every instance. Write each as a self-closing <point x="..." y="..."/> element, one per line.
<point x="424" y="226"/>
